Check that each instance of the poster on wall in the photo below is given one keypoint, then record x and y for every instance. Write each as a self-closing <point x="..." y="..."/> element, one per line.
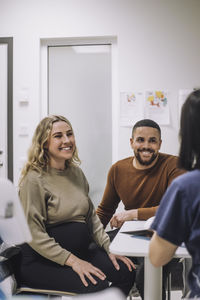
<point x="156" y="106"/>
<point x="131" y="107"/>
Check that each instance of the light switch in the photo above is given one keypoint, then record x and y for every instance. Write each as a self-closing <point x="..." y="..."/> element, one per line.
<point x="24" y="96"/>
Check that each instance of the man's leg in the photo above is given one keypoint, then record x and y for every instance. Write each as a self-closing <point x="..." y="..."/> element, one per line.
<point x="112" y="233"/>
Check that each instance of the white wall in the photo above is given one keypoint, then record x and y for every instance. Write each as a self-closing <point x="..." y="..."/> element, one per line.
<point x="158" y="47"/>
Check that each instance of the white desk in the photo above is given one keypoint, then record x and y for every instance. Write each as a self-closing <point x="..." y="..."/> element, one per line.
<point x="124" y="244"/>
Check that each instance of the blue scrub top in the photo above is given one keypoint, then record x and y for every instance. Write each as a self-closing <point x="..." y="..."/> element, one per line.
<point x="178" y="220"/>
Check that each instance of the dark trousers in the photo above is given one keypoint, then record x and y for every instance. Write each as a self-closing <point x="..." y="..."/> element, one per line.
<point x="38" y="272"/>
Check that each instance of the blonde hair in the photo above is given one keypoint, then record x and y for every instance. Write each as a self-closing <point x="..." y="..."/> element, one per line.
<point x="38" y="157"/>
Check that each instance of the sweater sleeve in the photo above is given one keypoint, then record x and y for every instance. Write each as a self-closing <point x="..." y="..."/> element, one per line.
<point x="170" y="172"/>
<point x="110" y="200"/>
<point x="146" y="212"/>
<point x="99" y="235"/>
<point x="97" y="231"/>
<point x="32" y="196"/>
<point x="173" y="170"/>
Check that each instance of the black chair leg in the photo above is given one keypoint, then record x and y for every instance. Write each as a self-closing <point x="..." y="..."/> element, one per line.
<point x="169" y="286"/>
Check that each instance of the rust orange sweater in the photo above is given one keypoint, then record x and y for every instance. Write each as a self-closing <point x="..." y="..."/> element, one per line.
<point x="137" y="189"/>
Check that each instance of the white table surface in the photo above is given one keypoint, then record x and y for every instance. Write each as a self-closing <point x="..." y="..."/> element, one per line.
<point x="125" y="244"/>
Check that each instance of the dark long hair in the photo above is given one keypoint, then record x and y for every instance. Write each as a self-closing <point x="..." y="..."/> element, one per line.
<point x="189" y="155"/>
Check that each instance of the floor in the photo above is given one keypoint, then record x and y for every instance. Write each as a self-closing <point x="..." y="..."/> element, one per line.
<point x="175" y="295"/>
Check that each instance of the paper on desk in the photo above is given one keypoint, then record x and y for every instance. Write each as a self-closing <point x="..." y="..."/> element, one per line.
<point x="148" y="222"/>
<point x="142" y="230"/>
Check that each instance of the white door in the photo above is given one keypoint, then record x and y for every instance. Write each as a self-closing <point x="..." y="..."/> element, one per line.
<point x="80" y="89"/>
<point x="3" y="110"/>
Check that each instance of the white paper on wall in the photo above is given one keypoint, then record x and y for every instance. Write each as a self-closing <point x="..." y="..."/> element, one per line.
<point x="131" y="108"/>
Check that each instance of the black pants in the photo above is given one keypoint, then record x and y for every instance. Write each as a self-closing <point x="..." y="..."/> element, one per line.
<point x="38" y="272"/>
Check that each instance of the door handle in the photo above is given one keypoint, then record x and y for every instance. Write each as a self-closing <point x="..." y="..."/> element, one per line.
<point x="1" y="151"/>
<point x="1" y="164"/>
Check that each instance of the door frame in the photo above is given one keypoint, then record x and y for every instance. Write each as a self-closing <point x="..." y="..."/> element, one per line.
<point x="9" y="42"/>
<point x="77" y="41"/>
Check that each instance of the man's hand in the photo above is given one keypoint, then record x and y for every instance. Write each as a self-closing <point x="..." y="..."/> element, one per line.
<point x="84" y="269"/>
<point x="119" y="218"/>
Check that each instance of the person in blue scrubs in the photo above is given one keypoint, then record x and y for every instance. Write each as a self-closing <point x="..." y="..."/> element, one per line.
<point x="177" y="220"/>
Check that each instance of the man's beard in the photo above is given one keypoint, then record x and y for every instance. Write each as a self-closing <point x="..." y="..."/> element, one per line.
<point x="145" y="162"/>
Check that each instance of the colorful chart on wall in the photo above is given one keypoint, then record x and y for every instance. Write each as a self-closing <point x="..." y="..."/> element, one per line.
<point x="156" y="106"/>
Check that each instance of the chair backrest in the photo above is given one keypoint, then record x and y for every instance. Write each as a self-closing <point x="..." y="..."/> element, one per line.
<point x="8" y="283"/>
<point x="13" y="225"/>
<point x="13" y="230"/>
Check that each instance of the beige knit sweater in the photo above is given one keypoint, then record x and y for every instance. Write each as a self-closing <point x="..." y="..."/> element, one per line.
<point x="58" y="197"/>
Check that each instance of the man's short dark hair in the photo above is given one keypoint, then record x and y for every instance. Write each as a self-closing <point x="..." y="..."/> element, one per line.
<point x="146" y="123"/>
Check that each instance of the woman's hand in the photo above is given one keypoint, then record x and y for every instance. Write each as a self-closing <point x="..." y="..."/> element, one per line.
<point x="126" y="260"/>
<point x="84" y="269"/>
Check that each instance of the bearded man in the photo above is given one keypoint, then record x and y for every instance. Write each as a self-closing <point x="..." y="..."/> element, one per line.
<point x="138" y="181"/>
